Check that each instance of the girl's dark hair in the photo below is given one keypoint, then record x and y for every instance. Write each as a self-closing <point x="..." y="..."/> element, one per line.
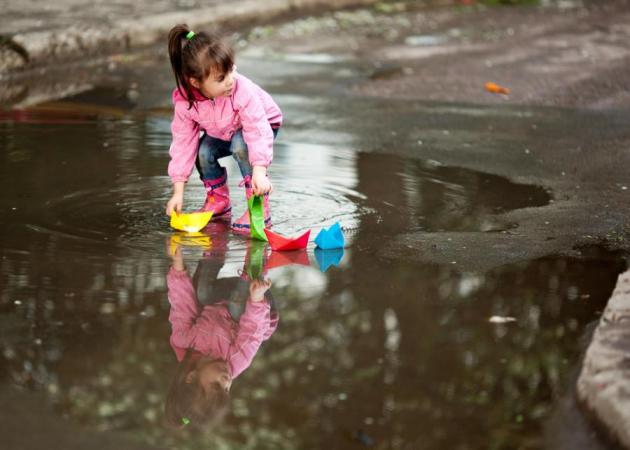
<point x="197" y="57"/>
<point x="188" y="405"/>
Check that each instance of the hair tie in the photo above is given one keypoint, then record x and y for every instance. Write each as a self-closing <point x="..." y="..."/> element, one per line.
<point x="190" y="35"/>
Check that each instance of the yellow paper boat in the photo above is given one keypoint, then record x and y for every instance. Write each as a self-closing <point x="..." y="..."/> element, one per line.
<point x="196" y="239"/>
<point x="191" y="222"/>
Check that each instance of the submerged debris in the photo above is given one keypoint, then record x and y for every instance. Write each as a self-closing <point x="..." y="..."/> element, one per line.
<point x="501" y="319"/>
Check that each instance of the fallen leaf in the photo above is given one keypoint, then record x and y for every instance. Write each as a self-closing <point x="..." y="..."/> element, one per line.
<point x="496" y="89"/>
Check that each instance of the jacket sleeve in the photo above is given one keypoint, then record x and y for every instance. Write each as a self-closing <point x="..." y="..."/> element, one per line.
<point x="184" y="310"/>
<point x="252" y="329"/>
<point x="183" y="151"/>
<point x="257" y="131"/>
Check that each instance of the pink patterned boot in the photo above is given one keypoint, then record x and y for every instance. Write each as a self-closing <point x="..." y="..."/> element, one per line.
<point x="218" y="198"/>
<point x="241" y="226"/>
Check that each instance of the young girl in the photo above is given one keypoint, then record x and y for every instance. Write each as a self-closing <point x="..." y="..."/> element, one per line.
<point x="233" y="116"/>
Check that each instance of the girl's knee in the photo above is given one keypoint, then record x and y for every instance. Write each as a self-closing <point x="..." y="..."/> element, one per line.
<point x="207" y="153"/>
<point x="239" y="147"/>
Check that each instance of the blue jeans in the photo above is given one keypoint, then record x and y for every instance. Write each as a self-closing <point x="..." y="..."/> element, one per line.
<point x="212" y="149"/>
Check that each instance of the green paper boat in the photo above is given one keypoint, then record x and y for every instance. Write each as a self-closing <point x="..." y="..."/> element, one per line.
<point x="257" y="218"/>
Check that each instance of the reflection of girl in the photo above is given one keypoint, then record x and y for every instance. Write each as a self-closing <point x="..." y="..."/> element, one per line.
<point x="212" y="348"/>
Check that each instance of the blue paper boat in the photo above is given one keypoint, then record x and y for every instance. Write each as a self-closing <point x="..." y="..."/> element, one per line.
<point x="330" y="238"/>
<point x="327" y="258"/>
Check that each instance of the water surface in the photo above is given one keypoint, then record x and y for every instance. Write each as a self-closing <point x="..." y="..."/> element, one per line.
<point x="369" y="352"/>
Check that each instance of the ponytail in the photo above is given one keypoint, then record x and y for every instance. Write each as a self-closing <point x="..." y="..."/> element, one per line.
<point x="196" y="55"/>
<point x="176" y="38"/>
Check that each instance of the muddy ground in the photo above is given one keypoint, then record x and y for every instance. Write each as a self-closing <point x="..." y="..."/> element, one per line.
<point x="561" y="127"/>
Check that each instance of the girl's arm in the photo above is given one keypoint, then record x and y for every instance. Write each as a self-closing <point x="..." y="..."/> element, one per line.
<point x="253" y="327"/>
<point x="257" y="133"/>
<point x="252" y="330"/>
<point x="184" y="309"/>
<point x="183" y="152"/>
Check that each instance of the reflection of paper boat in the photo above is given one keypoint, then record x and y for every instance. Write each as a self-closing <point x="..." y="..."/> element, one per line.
<point x="330" y="238"/>
<point x="279" y="259"/>
<point x="256" y="217"/>
<point x="281" y="243"/>
<point x="255" y="260"/>
<point x="190" y="240"/>
<point x="327" y="258"/>
<point x="191" y="222"/>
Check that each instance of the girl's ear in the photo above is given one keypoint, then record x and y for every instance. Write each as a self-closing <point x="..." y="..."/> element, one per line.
<point x="190" y="377"/>
<point x="194" y="82"/>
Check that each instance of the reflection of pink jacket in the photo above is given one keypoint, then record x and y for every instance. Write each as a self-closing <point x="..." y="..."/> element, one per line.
<point x="210" y="329"/>
<point x="249" y="108"/>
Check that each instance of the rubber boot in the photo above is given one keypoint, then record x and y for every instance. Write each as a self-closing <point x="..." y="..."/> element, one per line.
<point x="218" y="198"/>
<point x="220" y="235"/>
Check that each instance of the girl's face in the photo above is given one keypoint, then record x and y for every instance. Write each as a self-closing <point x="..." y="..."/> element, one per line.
<point x="216" y="85"/>
<point x="211" y="373"/>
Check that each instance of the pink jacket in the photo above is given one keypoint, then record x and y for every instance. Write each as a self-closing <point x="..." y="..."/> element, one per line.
<point x="210" y="329"/>
<point x="248" y="107"/>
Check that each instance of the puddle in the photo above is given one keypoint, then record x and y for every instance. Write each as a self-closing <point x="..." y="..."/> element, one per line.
<point x="367" y="351"/>
<point x="103" y="181"/>
<point x="359" y="351"/>
<point x="425" y="40"/>
<point x="413" y="195"/>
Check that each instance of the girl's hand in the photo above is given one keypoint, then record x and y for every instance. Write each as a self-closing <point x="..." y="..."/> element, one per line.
<point x="257" y="289"/>
<point x="175" y="203"/>
<point x="260" y="183"/>
<point x="175" y="252"/>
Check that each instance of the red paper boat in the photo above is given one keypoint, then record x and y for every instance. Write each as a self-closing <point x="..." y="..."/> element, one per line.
<point x="281" y="243"/>
<point x="280" y="259"/>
